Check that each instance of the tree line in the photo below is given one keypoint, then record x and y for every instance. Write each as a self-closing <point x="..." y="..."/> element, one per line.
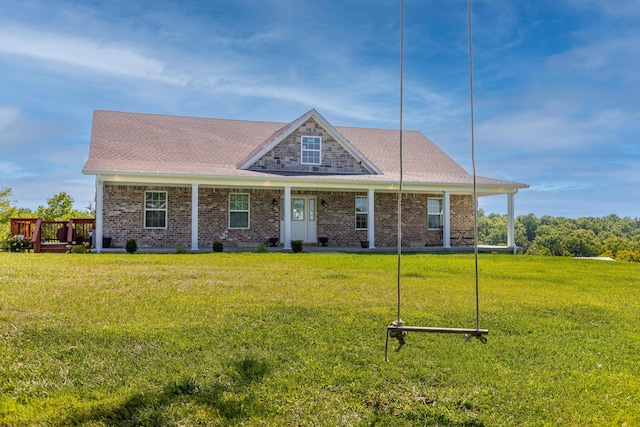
<point x="611" y="235"/>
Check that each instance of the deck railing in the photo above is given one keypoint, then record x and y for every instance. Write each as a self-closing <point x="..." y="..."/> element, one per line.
<point x="23" y="227"/>
<point x="75" y="230"/>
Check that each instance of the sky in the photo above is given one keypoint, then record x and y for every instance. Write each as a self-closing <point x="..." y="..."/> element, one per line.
<point x="556" y="84"/>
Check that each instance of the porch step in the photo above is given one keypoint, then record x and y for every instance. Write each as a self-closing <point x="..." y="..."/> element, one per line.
<point x="59" y="248"/>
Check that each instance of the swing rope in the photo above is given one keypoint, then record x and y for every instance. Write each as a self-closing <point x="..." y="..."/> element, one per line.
<point x="399" y="322"/>
<point x="398" y="329"/>
<point x="473" y="163"/>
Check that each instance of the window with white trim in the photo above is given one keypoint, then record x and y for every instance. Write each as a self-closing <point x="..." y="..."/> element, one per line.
<point x="362" y="213"/>
<point x="238" y="210"/>
<point x="434" y="214"/>
<point x="311" y="150"/>
<point x="155" y="209"/>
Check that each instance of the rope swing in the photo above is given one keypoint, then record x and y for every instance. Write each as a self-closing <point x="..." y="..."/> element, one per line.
<point x="397" y="329"/>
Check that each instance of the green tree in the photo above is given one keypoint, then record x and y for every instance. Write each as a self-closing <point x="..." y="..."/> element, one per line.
<point x="89" y="211"/>
<point x="58" y="208"/>
<point x="549" y="238"/>
<point x="7" y="210"/>
<point x="497" y="229"/>
<point x="581" y="243"/>
<point x="615" y="244"/>
<point x="559" y="236"/>
<point x="520" y="236"/>
<point x="530" y="224"/>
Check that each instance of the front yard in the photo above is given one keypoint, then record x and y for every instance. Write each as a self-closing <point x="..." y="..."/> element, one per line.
<point x="298" y="339"/>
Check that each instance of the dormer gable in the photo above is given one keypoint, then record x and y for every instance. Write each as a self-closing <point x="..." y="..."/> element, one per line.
<point x="309" y="145"/>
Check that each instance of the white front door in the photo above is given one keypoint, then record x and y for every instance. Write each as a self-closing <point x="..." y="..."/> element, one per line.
<point x="303" y="219"/>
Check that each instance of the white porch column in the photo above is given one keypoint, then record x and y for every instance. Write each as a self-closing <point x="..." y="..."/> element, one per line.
<point x="194" y="217"/>
<point x="446" y="227"/>
<point x="97" y="233"/>
<point x="287" y="218"/>
<point x="511" y="240"/>
<point x="371" y="233"/>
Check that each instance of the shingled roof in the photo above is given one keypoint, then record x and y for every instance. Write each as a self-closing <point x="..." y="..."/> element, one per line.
<point x="126" y="142"/>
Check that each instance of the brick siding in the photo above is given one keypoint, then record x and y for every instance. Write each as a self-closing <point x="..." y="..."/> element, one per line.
<point x="123" y="217"/>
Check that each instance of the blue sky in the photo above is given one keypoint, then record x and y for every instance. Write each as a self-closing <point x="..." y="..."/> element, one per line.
<point x="557" y="83"/>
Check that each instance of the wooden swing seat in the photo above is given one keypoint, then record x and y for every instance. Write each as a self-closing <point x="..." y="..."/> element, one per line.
<point x="466" y="331"/>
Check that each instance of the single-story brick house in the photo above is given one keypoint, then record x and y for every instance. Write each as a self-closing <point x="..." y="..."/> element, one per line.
<point x="171" y="181"/>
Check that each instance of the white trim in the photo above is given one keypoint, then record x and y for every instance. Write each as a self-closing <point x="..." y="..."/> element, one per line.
<point x="511" y="241"/>
<point x="260" y="180"/>
<point x="194" y="217"/>
<point x="442" y="211"/>
<point x="371" y="234"/>
<point x="356" y="211"/>
<point x="248" y="211"/>
<point x="99" y="213"/>
<point x="166" y="210"/>
<point x="446" y="227"/>
<point x="310" y="150"/>
<point x="287" y="218"/>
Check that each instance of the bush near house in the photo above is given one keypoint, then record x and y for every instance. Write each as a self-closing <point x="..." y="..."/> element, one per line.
<point x="83" y="248"/>
<point x="15" y="244"/>
<point x="131" y="246"/>
<point x="296" y="246"/>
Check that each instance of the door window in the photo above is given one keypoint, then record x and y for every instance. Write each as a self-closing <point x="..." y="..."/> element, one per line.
<point x="297" y="209"/>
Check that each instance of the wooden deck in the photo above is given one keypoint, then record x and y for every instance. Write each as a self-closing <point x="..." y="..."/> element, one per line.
<point x="53" y="236"/>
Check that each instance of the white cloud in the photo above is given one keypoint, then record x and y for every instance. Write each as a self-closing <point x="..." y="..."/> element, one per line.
<point x="18" y="132"/>
<point x="628" y="9"/>
<point x="8" y="116"/>
<point x="85" y="53"/>
<point x="611" y="59"/>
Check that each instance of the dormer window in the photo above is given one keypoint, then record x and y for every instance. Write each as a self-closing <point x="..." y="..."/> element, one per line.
<point x="311" y="150"/>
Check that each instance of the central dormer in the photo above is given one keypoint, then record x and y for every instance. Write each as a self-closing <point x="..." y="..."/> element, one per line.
<point x="309" y="145"/>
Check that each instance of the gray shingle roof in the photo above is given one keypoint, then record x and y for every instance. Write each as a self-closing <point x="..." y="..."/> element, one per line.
<point x="153" y="143"/>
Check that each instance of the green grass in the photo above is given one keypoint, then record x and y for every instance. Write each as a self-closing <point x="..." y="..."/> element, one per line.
<point x="298" y="339"/>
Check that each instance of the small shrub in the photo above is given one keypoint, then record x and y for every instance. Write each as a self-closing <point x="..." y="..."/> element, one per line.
<point x="15" y="244"/>
<point x="262" y="249"/>
<point x="217" y="246"/>
<point x="607" y="254"/>
<point x="296" y="246"/>
<point x="181" y="250"/>
<point x="535" y="249"/>
<point x="626" y="255"/>
<point x="131" y="246"/>
<point x="79" y="249"/>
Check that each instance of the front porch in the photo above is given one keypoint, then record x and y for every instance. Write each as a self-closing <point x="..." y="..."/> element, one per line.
<point x="195" y="215"/>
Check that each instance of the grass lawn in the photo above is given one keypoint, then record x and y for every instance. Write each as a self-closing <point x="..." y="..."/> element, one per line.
<point x="298" y="340"/>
